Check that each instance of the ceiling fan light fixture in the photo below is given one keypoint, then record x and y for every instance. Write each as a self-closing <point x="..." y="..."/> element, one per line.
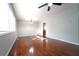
<point x="50" y="4"/>
<point x="30" y="21"/>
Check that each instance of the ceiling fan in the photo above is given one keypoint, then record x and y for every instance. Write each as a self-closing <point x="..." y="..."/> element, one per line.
<point x="49" y="5"/>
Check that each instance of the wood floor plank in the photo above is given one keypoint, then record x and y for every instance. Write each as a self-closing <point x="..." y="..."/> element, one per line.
<point x="34" y="46"/>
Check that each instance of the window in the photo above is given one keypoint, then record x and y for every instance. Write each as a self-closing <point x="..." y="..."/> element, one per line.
<point x="4" y="21"/>
<point x="7" y="19"/>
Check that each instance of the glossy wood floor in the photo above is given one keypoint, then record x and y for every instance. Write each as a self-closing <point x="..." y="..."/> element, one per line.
<point x="38" y="46"/>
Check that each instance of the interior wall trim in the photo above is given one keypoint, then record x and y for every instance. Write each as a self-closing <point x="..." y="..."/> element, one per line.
<point x="62" y="40"/>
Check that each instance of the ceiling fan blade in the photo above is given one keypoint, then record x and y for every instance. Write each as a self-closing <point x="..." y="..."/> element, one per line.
<point x="59" y="4"/>
<point x="43" y="5"/>
<point x="48" y="8"/>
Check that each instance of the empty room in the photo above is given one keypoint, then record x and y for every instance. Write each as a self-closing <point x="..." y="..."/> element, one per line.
<point x="39" y="29"/>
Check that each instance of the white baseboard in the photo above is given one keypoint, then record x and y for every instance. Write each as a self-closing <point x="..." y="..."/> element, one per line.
<point x="63" y="40"/>
<point x="70" y="42"/>
<point x="24" y="35"/>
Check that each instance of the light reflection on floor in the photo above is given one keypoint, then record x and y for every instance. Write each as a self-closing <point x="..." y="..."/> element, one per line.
<point x="31" y="50"/>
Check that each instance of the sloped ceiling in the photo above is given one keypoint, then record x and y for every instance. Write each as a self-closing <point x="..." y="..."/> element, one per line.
<point x="27" y="11"/>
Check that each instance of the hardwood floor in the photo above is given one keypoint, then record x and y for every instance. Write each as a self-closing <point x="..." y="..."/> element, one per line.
<point x="38" y="46"/>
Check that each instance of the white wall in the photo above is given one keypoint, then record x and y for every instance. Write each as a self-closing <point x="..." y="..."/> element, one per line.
<point x="64" y="25"/>
<point x="4" y="21"/>
<point x="7" y="29"/>
<point x="25" y="28"/>
<point x="12" y="20"/>
<point x="7" y="19"/>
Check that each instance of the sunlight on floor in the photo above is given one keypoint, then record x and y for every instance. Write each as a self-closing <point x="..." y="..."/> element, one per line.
<point x="31" y="50"/>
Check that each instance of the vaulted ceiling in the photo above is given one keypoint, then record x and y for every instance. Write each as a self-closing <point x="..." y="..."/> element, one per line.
<point x="27" y="11"/>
